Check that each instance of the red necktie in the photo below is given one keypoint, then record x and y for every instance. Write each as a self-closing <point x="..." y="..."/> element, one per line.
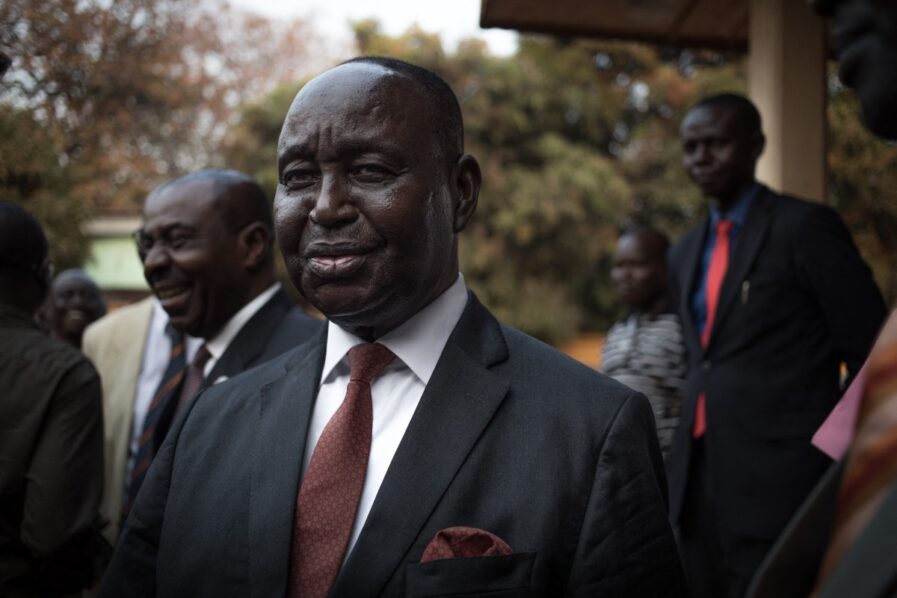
<point x="194" y="377"/>
<point x="331" y="489"/>
<point x="719" y="263"/>
<point x="870" y="468"/>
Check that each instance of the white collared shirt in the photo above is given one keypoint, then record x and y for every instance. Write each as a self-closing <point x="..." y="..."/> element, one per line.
<point x="154" y="362"/>
<point x="221" y="341"/>
<point x="417" y="344"/>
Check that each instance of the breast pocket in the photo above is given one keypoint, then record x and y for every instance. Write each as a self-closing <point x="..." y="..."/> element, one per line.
<point x="496" y="576"/>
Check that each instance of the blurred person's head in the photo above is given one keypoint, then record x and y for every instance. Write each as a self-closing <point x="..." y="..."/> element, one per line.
<point x="74" y="302"/>
<point x="639" y="269"/>
<point x="206" y="248"/>
<point x="25" y="268"/>
<point x="722" y="139"/>
<point x="865" y="40"/>
<point x="374" y="189"/>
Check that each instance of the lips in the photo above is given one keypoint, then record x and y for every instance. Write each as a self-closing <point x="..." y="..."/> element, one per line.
<point x="172" y="295"/>
<point x="333" y="261"/>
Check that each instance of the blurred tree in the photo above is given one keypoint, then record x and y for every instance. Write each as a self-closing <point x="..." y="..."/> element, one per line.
<point x="551" y="127"/>
<point x="133" y="92"/>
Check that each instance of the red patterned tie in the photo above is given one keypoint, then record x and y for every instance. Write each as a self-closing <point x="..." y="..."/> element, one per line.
<point x="719" y="263"/>
<point x="870" y="469"/>
<point x="331" y="489"/>
<point x="194" y="377"/>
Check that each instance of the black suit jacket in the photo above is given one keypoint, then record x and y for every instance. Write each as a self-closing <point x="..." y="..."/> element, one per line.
<point x="796" y="301"/>
<point x="510" y="436"/>
<point x="277" y="327"/>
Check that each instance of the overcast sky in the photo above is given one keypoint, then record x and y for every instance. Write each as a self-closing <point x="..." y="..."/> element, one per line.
<point x="454" y="20"/>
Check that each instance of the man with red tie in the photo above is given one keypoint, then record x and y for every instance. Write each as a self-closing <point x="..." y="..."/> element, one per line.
<point x="415" y="447"/>
<point x="773" y="297"/>
<point x="842" y="541"/>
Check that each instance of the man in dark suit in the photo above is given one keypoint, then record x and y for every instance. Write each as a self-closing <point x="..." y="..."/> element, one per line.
<point x="207" y="251"/>
<point x="475" y="440"/>
<point x="773" y="297"/>
<point x="842" y="541"/>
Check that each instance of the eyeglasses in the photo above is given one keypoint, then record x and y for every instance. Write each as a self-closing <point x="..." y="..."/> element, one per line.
<point x="171" y="240"/>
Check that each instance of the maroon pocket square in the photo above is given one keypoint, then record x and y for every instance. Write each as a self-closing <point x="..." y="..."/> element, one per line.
<point x="464" y="542"/>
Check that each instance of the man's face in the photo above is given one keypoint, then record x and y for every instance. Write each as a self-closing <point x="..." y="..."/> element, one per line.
<point x="638" y="272"/>
<point x="865" y="40"/>
<point x="717" y="153"/>
<point x="75" y="302"/>
<point x="364" y="209"/>
<point x="190" y="257"/>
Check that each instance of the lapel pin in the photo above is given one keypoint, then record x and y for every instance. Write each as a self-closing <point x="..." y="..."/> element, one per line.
<point x="745" y="291"/>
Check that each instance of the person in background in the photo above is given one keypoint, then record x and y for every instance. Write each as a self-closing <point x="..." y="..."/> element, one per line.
<point x="206" y="244"/>
<point x="51" y="432"/>
<point x="773" y="296"/>
<point x="74" y="302"/>
<point x="645" y="350"/>
<point x="843" y="540"/>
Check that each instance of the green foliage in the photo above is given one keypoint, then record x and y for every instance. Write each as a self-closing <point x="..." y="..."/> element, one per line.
<point x="574" y="140"/>
<point x="31" y="175"/>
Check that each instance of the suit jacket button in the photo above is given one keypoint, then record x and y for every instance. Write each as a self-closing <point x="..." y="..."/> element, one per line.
<point x="705" y="365"/>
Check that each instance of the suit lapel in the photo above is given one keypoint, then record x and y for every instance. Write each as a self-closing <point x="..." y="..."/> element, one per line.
<point x="251" y="340"/>
<point x="746" y="249"/>
<point x="457" y="405"/>
<point x="283" y="414"/>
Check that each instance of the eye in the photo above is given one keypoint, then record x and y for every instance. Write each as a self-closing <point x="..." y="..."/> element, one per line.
<point x="298" y="178"/>
<point x="179" y="240"/>
<point x="372" y="173"/>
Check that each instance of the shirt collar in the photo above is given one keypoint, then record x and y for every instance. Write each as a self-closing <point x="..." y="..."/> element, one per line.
<point x="738" y="212"/>
<point x="418" y="342"/>
<point x="219" y="343"/>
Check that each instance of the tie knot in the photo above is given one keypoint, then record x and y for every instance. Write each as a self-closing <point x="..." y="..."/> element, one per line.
<point x="367" y="360"/>
<point x="201" y="358"/>
<point x="723" y="227"/>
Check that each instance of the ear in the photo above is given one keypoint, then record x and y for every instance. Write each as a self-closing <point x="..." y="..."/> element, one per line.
<point x="466" y="180"/>
<point x="759" y="145"/>
<point x="254" y="242"/>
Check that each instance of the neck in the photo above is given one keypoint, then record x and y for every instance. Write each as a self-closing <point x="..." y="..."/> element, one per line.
<point x="725" y="201"/>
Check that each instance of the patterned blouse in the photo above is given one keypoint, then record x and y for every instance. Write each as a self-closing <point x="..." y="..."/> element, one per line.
<point x="647" y="353"/>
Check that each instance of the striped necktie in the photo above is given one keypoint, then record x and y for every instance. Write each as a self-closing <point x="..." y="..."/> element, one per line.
<point x="153" y="433"/>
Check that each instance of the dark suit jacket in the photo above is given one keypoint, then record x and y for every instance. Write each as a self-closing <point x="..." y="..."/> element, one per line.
<point x="510" y="436"/>
<point x="796" y="301"/>
<point x="277" y="327"/>
<point x="868" y="569"/>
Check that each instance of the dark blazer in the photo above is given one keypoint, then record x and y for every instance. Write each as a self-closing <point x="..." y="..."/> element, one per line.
<point x="868" y="569"/>
<point x="796" y="301"/>
<point x="510" y="436"/>
<point x="277" y="327"/>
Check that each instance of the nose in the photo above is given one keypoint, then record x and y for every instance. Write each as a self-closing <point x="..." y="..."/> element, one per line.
<point x="156" y="260"/>
<point x="334" y="205"/>
<point x="701" y="154"/>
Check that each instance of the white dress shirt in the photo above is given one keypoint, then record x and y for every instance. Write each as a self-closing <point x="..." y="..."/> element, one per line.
<point x="156" y="352"/>
<point x="221" y="341"/>
<point x="417" y="344"/>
